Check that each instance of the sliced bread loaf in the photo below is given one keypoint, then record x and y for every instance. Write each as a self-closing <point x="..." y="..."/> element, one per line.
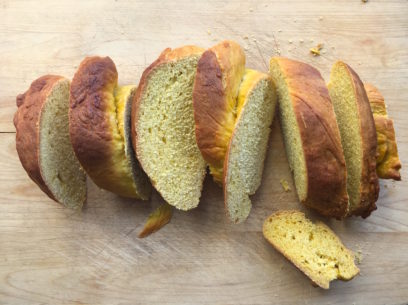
<point x="311" y="247"/>
<point x="219" y="74"/>
<point x="42" y="141"/>
<point x="388" y="162"/>
<point x="100" y="129"/>
<point x="358" y="138"/>
<point x="163" y="127"/>
<point x="311" y="137"/>
<point x="246" y="152"/>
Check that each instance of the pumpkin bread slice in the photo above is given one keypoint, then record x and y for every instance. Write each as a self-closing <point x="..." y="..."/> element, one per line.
<point x="358" y="137"/>
<point x="312" y="247"/>
<point x="163" y="127"/>
<point x="43" y="144"/>
<point x="311" y="137"/>
<point x="246" y="152"/>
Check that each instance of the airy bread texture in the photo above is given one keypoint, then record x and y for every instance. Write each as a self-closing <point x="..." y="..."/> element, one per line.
<point x="388" y="162"/>
<point x="163" y="127"/>
<point x="312" y="247"/>
<point x="246" y="152"/>
<point x="358" y="138"/>
<point x="219" y="74"/>
<point x="311" y="136"/>
<point x="42" y="141"/>
<point x="100" y="129"/>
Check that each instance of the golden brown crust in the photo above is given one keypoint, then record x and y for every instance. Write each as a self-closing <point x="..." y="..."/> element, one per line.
<point x="388" y="162"/>
<point x="369" y="186"/>
<point x="89" y="126"/>
<point x="167" y="56"/>
<point x="27" y="122"/>
<point x="219" y="73"/>
<point x="94" y="130"/>
<point x="320" y="136"/>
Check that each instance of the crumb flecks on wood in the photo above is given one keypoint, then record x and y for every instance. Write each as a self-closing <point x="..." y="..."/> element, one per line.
<point x="316" y="50"/>
<point x="285" y="185"/>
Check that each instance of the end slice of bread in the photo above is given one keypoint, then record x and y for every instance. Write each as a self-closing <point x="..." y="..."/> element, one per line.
<point x="43" y="144"/>
<point x="358" y="138"/>
<point x="311" y="136"/>
<point x="312" y="247"/>
<point x="219" y="74"/>
<point x="163" y="127"/>
<point x="388" y="162"/>
<point x="246" y="152"/>
<point x="99" y="129"/>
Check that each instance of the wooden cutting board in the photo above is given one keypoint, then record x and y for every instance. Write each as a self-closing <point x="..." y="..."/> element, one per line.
<point x="51" y="255"/>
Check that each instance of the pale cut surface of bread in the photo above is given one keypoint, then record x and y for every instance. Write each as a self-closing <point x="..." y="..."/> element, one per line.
<point x="358" y="137"/>
<point x="99" y="129"/>
<point x="312" y="247"/>
<point x="219" y="74"/>
<point x="43" y="144"/>
<point x="388" y="162"/>
<point x="163" y="127"/>
<point x="311" y="137"/>
<point x="247" y="148"/>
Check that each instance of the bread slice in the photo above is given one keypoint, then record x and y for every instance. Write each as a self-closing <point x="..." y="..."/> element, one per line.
<point x="246" y="152"/>
<point x="42" y="141"/>
<point x="388" y="162"/>
<point x="100" y="129"/>
<point x="312" y="247"/>
<point x="358" y="137"/>
<point x="219" y="74"/>
<point x="311" y="136"/>
<point x="163" y="127"/>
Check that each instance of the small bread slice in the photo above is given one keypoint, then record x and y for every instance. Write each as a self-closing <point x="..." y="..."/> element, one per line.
<point x="219" y="74"/>
<point x="311" y="137"/>
<point x="246" y="152"/>
<point x="358" y="138"/>
<point x="163" y="127"/>
<point x="100" y="129"/>
<point x="388" y="162"/>
<point x="312" y="247"/>
<point x="42" y="141"/>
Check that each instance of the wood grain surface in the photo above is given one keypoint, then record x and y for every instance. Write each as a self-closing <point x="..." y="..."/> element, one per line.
<point x="51" y="255"/>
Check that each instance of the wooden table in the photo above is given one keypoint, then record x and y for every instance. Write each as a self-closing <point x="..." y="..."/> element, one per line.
<point x="51" y="255"/>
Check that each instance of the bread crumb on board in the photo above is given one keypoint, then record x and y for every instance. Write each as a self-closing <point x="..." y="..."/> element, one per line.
<point x="359" y="256"/>
<point x="316" y="50"/>
<point x="285" y="185"/>
<point x="364" y="1"/>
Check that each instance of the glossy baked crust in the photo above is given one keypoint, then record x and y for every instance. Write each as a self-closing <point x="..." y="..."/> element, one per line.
<point x="94" y="129"/>
<point x="27" y="122"/>
<point x="320" y="137"/>
<point x="219" y="74"/>
<point x="388" y="162"/>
